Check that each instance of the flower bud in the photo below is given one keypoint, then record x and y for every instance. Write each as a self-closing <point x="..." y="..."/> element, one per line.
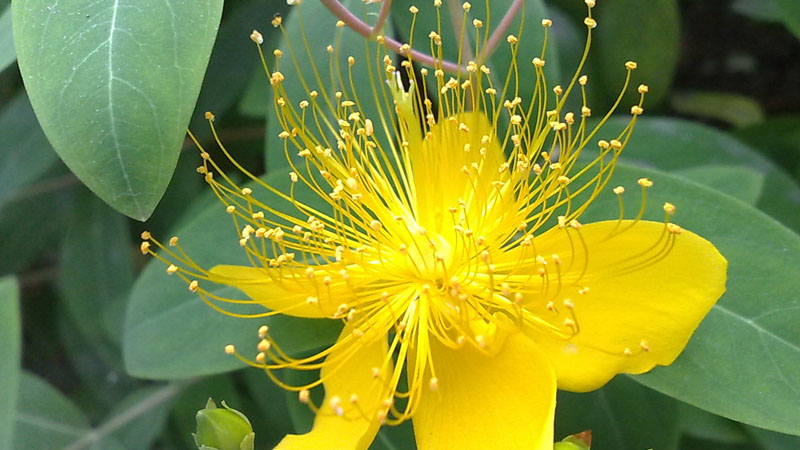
<point x="223" y="429"/>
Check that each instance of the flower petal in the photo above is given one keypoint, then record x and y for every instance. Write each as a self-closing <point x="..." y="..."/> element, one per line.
<point x="501" y="401"/>
<point x="358" y="424"/>
<point x="646" y="297"/>
<point x="289" y="295"/>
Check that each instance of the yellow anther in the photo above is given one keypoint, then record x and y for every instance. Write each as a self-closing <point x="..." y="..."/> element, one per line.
<point x="340" y="24"/>
<point x="586" y="111"/>
<point x="547" y="23"/>
<point x="209" y="115"/>
<point x="669" y="208"/>
<point x="589" y="3"/>
<point x="589" y="22"/>
<point x="511" y="39"/>
<point x="433" y="384"/>
<point x="619" y="190"/>
<point x="145" y="235"/>
<point x="558" y="90"/>
<point x="230" y="349"/>
<point x="173" y="241"/>
<point x="568" y="303"/>
<point x="172" y="268"/>
<point x="277" y="52"/>
<point x="631" y="65"/>
<point x="466" y="6"/>
<point x="636" y="110"/>
<point x="674" y="229"/>
<point x="643" y="89"/>
<point x="583" y="80"/>
<point x="477" y="23"/>
<point x="193" y="285"/>
<point x="538" y="62"/>
<point x="276" y="21"/>
<point x="230" y="209"/>
<point x="437" y="3"/>
<point x="261" y="357"/>
<point x="256" y="37"/>
<point x="304" y="396"/>
<point x="264" y="345"/>
<point x="375" y="225"/>
<point x="645" y="346"/>
<point x="144" y="247"/>
<point x="627" y="352"/>
<point x="413" y="9"/>
<point x="616" y="145"/>
<point x="262" y="331"/>
<point x="644" y="182"/>
<point x="602" y="143"/>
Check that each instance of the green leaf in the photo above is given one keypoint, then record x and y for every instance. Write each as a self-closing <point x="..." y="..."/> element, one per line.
<point x="43" y="212"/>
<point x="310" y="28"/>
<point x="735" y="109"/>
<point x="138" y="420"/>
<point x="672" y="144"/>
<point x="777" y="138"/>
<point x="790" y="13"/>
<point x="26" y="155"/>
<point x="623" y="415"/>
<point x="7" y="53"/>
<point x="744" y="360"/>
<point x="769" y="440"/>
<point x="10" y="336"/>
<point x="704" y="425"/>
<point x="737" y="181"/>
<point x="620" y="37"/>
<point x="273" y="411"/>
<point x="113" y="84"/>
<point x="163" y="315"/>
<point x="96" y="270"/>
<point x="47" y="419"/>
<point x="763" y="10"/>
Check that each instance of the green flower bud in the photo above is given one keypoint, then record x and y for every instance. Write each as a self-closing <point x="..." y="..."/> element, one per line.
<point x="223" y="429"/>
<point x="580" y="441"/>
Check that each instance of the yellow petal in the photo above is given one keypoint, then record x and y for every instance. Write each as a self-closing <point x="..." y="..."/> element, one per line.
<point x="355" y="425"/>
<point x="482" y="402"/>
<point x="289" y="295"/>
<point x="644" y="301"/>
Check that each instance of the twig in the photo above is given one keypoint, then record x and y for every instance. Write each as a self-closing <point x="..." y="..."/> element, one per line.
<point x="357" y="25"/>
<point x="500" y="31"/>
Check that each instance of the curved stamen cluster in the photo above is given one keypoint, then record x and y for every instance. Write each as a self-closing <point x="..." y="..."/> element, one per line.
<point x="427" y="217"/>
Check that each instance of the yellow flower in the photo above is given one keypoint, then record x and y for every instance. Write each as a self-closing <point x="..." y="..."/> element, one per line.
<point x="451" y="250"/>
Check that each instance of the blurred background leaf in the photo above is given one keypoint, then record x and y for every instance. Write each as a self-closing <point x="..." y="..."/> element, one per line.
<point x="10" y="336"/>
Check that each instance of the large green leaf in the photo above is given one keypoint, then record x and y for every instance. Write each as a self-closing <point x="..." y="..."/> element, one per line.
<point x="47" y="419"/>
<point x="623" y="415"/>
<point x="7" y="53"/>
<point x="10" y="336"/>
<point x="737" y="181"/>
<point x="672" y="144"/>
<point x="744" y="360"/>
<point x="163" y="316"/>
<point x="113" y="84"/>
<point x="95" y="269"/>
<point x="646" y="32"/>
